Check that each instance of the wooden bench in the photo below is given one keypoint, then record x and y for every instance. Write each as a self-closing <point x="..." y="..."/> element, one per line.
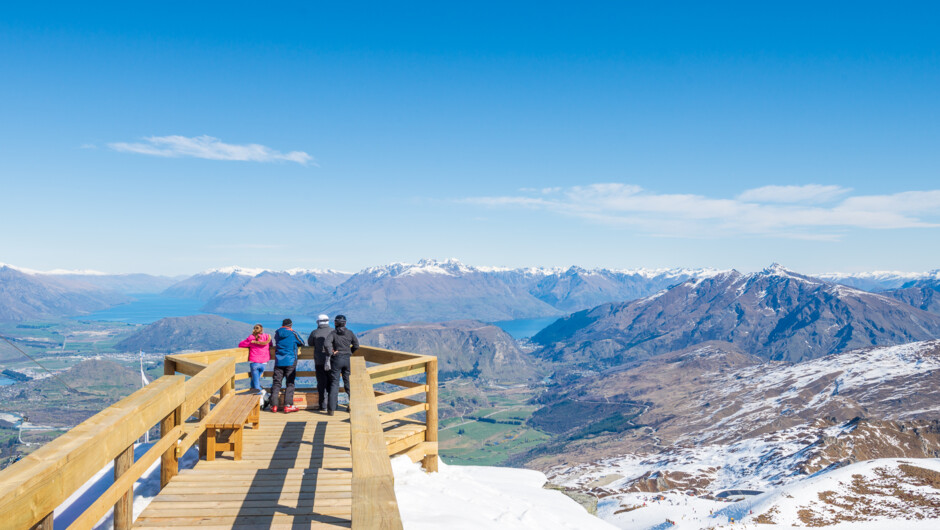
<point x="233" y="414"/>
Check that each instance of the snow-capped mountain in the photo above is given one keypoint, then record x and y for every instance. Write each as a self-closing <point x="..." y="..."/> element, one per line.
<point x="877" y="281"/>
<point x="91" y="280"/>
<point x="776" y="314"/>
<point x="260" y="291"/>
<point x="431" y="290"/>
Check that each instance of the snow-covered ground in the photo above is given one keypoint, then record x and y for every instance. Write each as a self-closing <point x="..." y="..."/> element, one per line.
<point x="473" y="497"/>
<point x="884" y="494"/>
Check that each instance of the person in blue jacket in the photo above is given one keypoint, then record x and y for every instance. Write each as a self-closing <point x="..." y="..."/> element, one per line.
<point x="286" y="341"/>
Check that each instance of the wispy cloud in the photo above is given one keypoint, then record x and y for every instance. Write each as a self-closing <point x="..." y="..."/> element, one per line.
<point x="209" y="148"/>
<point x="810" y="193"/>
<point x="782" y="211"/>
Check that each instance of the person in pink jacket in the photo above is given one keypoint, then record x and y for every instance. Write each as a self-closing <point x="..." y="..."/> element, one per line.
<point x="258" y="344"/>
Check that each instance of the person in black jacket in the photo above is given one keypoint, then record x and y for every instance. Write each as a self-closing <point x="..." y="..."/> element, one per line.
<point x="344" y="343"/>
<point x="321" y="341"/>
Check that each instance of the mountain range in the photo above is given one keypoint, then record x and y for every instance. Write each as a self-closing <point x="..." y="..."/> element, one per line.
<point x="32" y="297"/>
<point x="776" y="314"/>
<point x="714" y="394"/>
<point x="258" y="291"/>
<point x="429" y="290"/>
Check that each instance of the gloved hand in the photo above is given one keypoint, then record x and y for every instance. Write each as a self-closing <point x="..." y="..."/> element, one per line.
<point x="326" y="365"/>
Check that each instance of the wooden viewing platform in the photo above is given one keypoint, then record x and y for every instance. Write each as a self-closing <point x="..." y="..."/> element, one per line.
<point x="300" y="470"/>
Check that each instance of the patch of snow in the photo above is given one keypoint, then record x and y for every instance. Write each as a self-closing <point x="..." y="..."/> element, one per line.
<point x="58" y="272"/>
<point x="475" y="497"/>
<point x="783" y="504"/>
<point x="234" y="269"/>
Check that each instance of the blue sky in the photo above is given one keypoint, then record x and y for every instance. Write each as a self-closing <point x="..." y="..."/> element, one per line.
<point x="173" y="137"/>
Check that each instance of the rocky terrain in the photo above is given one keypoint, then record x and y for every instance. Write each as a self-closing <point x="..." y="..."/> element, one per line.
<point x="464" y="348"/>
<point x="716" y="394"/>
<point x="922" y="294"/>
<point x="775" y="314"/>
<point x="719" y="425"/>
<point x="175" y="334"/>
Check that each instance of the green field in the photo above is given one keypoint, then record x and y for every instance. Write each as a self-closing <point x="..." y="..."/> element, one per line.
<point x="474" y="438"/>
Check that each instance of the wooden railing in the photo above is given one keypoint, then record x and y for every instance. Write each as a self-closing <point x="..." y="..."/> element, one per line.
<point x="32" y="488"/>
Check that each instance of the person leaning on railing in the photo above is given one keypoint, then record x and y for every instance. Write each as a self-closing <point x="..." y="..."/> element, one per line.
<point x="259" y="354"/>
<point x="344" y="343"/>
<point x="320" y="341"/>
<point x="286" y="341"/>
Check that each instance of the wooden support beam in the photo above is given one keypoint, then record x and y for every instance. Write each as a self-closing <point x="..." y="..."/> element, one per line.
<point x="389" y="368"/>
<point x="396" y="374"/>
<point x="188" y="367"/>
<point x="420" y="451"/>
<point x="203" y="413"/>
<point x="430" y="461"/>
<point x="385" y="397"/>
<point x="383" y="356"/>
<point x="169" y="462"/>
<point x="385" y="417"/>
<point x="404" y="383"/>
<point x="124" y="507"/>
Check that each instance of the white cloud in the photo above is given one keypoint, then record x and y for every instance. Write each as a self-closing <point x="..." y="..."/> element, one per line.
<point x="689" y="215"/>
<point x="810" y="193"/>
<point x="209" y="148"/>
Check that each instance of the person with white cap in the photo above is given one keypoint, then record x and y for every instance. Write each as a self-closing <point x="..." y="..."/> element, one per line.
<point x="322" y="353"/>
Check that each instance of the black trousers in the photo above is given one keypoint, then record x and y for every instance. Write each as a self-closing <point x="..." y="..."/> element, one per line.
<point x="340" y="364"/>
<point x="281" y="373"/>
<point x="324" y="383"/>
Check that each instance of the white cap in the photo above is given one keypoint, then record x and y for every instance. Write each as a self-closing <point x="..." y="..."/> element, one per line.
<point x="323" y="318"/>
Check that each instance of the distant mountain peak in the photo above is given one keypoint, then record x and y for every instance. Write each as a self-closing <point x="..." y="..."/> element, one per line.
<point x="254" y="272"/>
<point x="775" y="268"/>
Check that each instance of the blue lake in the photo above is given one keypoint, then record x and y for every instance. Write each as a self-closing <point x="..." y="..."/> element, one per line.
<point x="148" y="308"/>
<point x="6" y="381"/>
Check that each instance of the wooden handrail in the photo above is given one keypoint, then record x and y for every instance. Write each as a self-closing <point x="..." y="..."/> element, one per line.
<point x="32" y="488"/>
<point x="373" y="485"/>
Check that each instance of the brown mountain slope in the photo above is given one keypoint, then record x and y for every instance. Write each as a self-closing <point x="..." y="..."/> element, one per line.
<point x="775" y="314"/>
<point x="463" y="348"/>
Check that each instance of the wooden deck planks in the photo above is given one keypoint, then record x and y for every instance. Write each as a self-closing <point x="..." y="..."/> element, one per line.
<point x="295" y="472"/>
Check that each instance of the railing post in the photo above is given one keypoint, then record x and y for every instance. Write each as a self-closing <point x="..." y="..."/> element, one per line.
<point x="203" y="412"/>
<point x="169" y="367"/>
<point x="430" y="435"/>
<point x="124" y="508"/>
<point x="169" y="463"/>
